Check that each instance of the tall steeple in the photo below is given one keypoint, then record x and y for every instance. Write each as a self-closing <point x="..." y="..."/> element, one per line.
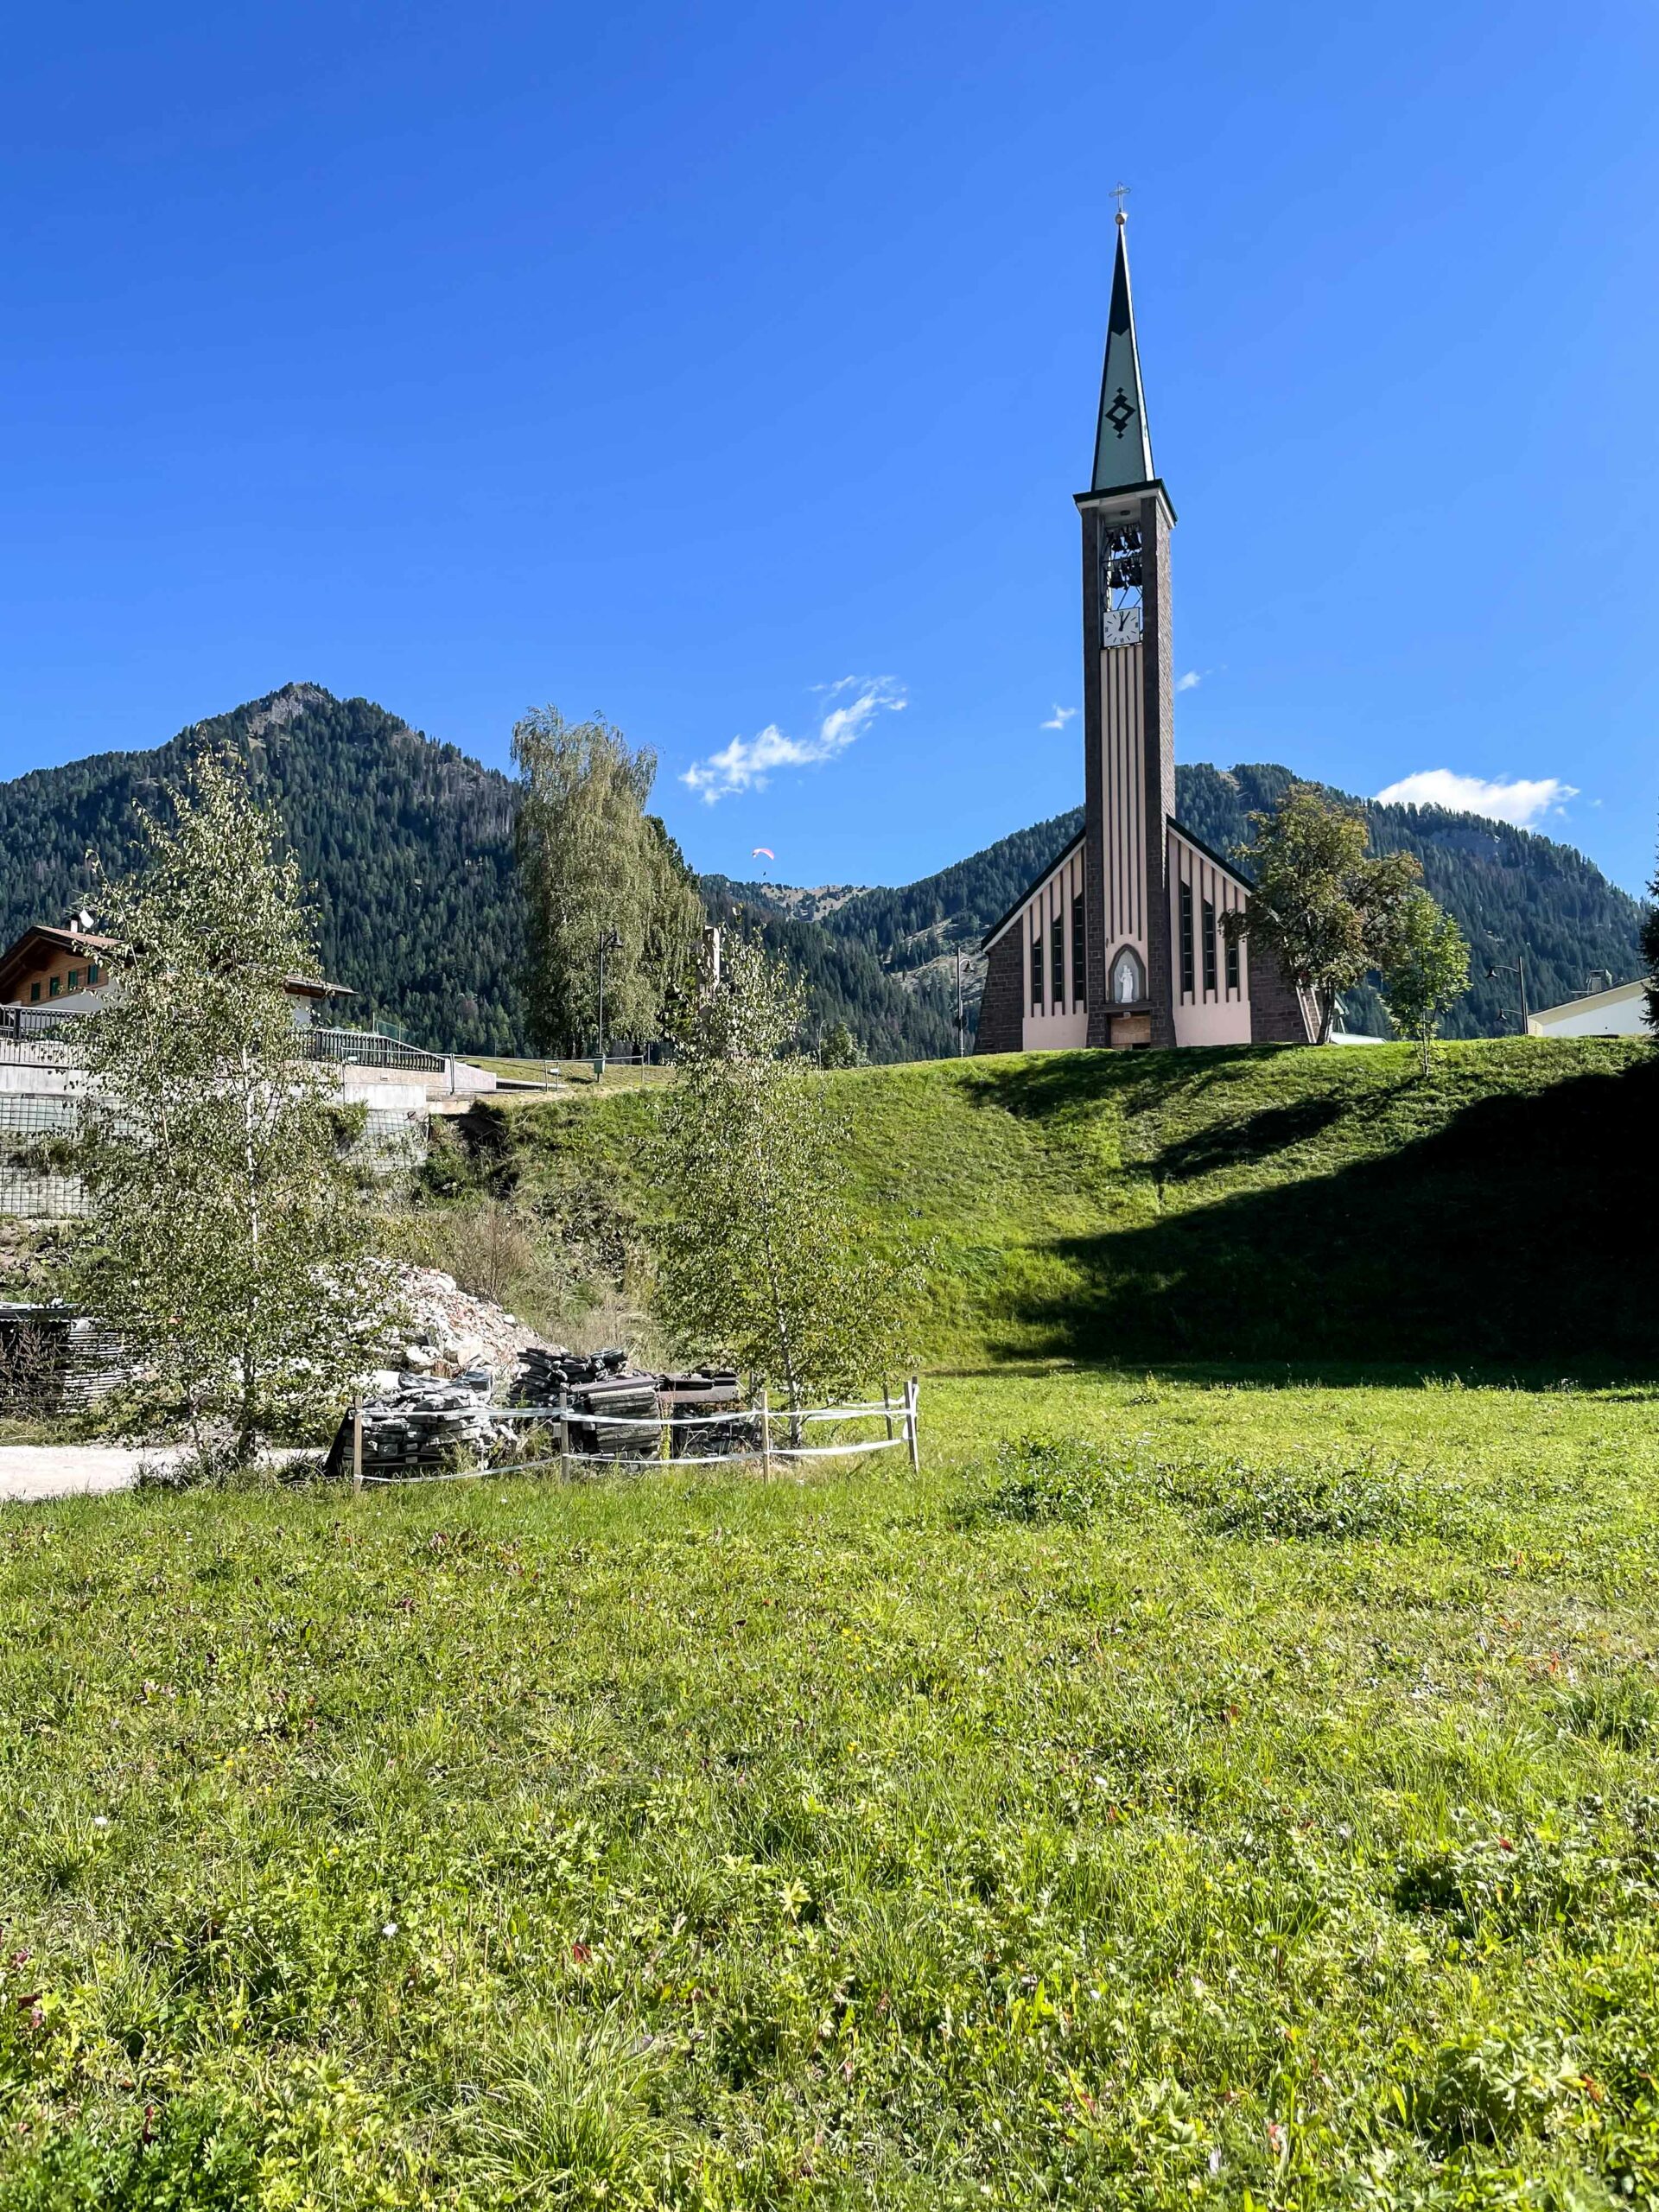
<point x="1122" y="442"/>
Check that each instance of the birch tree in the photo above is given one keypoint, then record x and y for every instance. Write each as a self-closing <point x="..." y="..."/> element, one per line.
<point x="229" y="1239"/>
<point x="762" y="1259"/>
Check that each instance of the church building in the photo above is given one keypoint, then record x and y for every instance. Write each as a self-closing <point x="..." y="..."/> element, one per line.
<point x="1120" y="941"/>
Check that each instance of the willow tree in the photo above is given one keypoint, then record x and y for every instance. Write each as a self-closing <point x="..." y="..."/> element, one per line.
<point x="228" y="1240"/>
<point x="762" y="1258"/>
<point x="598" y="872"/>
<point x="1324" y="906"/>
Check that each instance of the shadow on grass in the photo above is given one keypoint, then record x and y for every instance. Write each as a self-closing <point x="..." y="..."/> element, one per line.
<point x="1518" y="1233"/>
<point x="1044" y="1086"/>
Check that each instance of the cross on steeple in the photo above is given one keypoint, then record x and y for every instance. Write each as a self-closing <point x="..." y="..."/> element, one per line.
<point x="1120" y="192"/>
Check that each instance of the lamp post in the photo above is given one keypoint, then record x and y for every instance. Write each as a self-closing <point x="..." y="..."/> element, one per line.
<point x="1517" y="968"/>
<point x="611" y="942"/>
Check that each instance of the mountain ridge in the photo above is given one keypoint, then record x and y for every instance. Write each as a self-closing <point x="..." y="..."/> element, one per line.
<point x="409" y="842"/>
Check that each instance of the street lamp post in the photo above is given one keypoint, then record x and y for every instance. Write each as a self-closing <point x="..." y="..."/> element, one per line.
<point x="611" y="942"/>
<point x="1517" y="968"/>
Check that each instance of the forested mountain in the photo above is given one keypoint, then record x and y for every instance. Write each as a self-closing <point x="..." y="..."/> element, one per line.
<point x="1514" y="893"/>
<point x="1511" y="891"/>
<point x="409" y="845"/>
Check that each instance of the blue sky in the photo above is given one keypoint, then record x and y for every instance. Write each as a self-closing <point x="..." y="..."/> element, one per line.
<point x="729" y="370"/>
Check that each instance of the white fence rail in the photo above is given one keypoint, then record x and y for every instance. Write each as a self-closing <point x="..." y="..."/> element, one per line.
<point x="900" y="1417"/>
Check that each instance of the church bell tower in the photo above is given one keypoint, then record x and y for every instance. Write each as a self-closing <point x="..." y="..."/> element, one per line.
<point x="1129" y="703"/>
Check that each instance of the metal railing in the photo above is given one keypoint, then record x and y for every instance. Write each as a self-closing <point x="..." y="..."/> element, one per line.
<point x="363" y="1048"/>
<point x="24" y="1024"/>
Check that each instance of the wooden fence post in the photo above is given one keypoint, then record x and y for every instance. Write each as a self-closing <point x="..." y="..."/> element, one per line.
<point x="886" y="1401"/>
<point x="564" y="1439"/>
<point x="357" y="1446"/>
<point x="765" y="1432"/>
<point x="911" y="1395"/>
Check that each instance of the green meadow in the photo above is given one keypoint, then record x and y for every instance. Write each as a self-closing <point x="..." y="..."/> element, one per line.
<point x="1246" y="1795"/>
<point x="1226" y="1775"/>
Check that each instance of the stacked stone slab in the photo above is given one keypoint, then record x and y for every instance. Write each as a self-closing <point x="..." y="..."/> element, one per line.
<point x="424" y="1426"/>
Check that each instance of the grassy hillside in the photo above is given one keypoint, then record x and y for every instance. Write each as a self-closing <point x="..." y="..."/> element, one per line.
<point x="1246" y="1799"/>
<point x="1255" y="1204"/>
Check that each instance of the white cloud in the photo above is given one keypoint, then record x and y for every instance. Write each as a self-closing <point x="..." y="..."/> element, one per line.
<point x="1521" y="799"/>
<point x="1059" y="718"/>
<point x="747" y="763"/>
<point x="1189" y="681"/>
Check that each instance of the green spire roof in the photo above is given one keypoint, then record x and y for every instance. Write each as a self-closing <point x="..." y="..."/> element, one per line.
<point x="1122" y="442"/>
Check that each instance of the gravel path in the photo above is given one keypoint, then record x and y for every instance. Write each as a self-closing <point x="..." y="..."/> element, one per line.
<point x="38" y="1471"/>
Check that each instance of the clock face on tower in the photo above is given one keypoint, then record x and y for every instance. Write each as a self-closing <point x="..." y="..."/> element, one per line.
<point x="1119" y="626"/>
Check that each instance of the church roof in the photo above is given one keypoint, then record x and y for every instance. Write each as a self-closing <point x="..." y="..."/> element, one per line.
<point x="1241" y="876"/>
<point x="1122" y="441"/>
<point x="1030" y="891"/>
<point x="1245" y="881"/>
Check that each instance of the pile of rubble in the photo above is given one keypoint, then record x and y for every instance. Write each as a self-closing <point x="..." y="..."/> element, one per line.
<point x="451" y="1332"/>
<point x="433" y="1410"/>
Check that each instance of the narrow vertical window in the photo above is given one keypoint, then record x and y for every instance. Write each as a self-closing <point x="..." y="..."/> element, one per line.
<point x="1187" y="986"/>
<point x="1056" y="963"/>
<point x="1079" y="962"/>
<point x="1037" y="971"/>
<point x="1209" y="945"/>
<point x="1232" y="963"/>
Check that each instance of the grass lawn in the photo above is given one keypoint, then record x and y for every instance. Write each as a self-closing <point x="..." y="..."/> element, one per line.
<point x="1259" y="1808"/>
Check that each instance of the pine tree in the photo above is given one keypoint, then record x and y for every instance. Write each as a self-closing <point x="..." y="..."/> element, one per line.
<point x="1651" y="954"/>
<point x="229" y="1238"/>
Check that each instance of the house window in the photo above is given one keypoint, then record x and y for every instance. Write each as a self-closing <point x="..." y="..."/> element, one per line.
<point x="1209" y="945"/>
<point x="75" y="979"/>
<point x="1057" y="963"/>
<point x="91" y="976"/>
<point x="55" y="986"/>
<point x="1232" y="963"/>
<point x="1187" y="986"/>
<point x="33" y="994"/>
<point x="1079" y="965"/>
<point x="1037" y="971"/>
